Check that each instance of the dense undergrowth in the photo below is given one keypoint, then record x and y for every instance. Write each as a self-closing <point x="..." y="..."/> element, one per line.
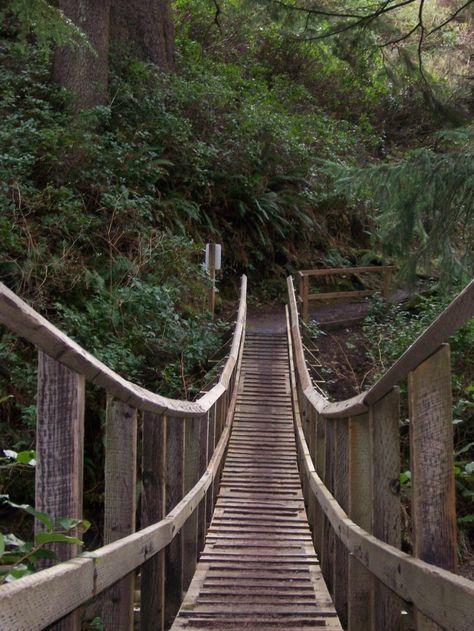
<point x="103" y="214"/>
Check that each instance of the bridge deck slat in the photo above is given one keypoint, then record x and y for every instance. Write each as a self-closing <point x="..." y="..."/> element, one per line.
<point x="259" y="569"/>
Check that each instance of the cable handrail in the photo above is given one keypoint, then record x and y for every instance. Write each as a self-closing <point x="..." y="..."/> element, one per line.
<point x="23" y="320"/>
<point x="446" y="324"/>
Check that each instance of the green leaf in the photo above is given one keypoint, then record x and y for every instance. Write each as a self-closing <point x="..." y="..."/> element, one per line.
<point x="56" y="537"/>
<point x="44" y="518"/>
<point x="17" y="572"/>
<point x="13" y="540"/>
<point x="67" y="523"/>
<point x="44" y="554"/>
<point x="469" y="468"/>
<point x="2" y="544"/>
<point x="27" y="457"/>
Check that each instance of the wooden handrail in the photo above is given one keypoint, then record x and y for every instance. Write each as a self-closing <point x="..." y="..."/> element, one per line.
<point x="20" y="318"/>
<point x="74" y="582"/>
<point x="305" y="275"/>
<point x="448" y="322"/>
<point x="350" y="462"/>
<point x="330" y="271"/>
<point x="179" y="477"/>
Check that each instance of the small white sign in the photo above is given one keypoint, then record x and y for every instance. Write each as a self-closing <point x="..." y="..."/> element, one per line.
<point x="218" y="257"/>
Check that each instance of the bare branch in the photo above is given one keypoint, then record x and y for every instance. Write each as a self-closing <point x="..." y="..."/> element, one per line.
<point x="455" y="14"/>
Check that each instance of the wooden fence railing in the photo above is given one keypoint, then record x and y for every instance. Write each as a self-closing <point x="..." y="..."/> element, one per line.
<point x="350" y="466"/>
<point x="305" y="276"/>
<point x="182" y="447"/>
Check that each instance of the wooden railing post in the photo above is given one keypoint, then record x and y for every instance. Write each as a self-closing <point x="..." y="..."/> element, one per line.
<point x="305" y="298"/>
<point x="312" y="503"/>
<point x="361" y="582"/>
<point x="432" y="466"/>
<point x="211" y="445"/>
<point x="152" y="580"/>
<point x="175" y="450"/>
<point x="120" y="505"/>
<point x="319" y="465"/>
<point x="387" y="280"/>
<point x="221" y="414"/>
<point x="191" y="477"/>
<point x="384" y="419"/>
<point x="60" y="453"/>
<point x="341" y="493"/>
<point x="328" y="558"/>
<point x="203" y="460"/>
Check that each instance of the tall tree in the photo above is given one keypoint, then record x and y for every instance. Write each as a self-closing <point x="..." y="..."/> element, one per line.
<point x="147" y="25"/>
<point x="83" y="69"/>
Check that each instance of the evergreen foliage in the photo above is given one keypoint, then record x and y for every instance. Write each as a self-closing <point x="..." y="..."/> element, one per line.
<point x="425" y="205"/>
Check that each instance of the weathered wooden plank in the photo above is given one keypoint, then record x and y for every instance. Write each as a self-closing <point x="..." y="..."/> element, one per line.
<point x="328" y="538"/>
<point x="26" y="322"/>
<point x="331" y="271"/>
<point x="449" y="599"/>
<point x="120" y="505"/>
<point x="191" y="476"/>
<point x="60" y="453"/>
<point x="153" y="509"/>
<point x="175" y="451"/>
<point x="258" y="549"/>
<point x="432" y="465"/>
<point x="211" y="444"/>
<point x="203" y="460"/>
<point x="341" y="493"/>
<point x="361" y="583"/>
<point x="384" y="419"/>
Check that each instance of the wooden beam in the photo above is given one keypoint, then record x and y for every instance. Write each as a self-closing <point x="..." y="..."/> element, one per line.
<point x="60" y="454"/>
<point x="384" y="420"/>
<point x="361" y="583"/>
<point x="120" y="505"/>
<point x="26" y="322"/>
<point x="432" y="466"/>
<point x="191" y="476"/>
<point x="331" y="271"/>
<point x="152" y="579"/>
<point x="175" y="450"/>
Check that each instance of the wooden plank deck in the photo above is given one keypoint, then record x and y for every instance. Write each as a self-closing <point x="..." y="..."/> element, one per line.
<point x="258" y="569"/>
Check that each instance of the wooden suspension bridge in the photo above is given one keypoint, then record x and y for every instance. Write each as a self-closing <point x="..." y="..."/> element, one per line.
<point x="263" y="504"/>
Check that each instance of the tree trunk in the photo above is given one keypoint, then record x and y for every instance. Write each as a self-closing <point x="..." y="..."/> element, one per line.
<point x="147" y="26"/>
<point x="77" y="68"/>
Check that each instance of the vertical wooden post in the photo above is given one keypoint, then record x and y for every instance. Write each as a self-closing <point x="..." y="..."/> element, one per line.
<point x="212" y="274"/>
<point x="191" y="477"/>
<point x="60" y="453"/>
<point x="320" y="464"/>
<point x="152" y="583"/>
<point x="120" y="505"/>
<point x="431" y="453"/>
<point x="341" y="493"/>
<point x="175" y="450"/>
<point x="203" y="460"/>
<point x="384" y="419"/>
<point x="305" y="298"/>
<point x="211" y="445"/>
<point x="221" y="412"/>
<point x="360" y="510"/>
<point x="312" y="502"/>
<point x="387" y="280"/>
<point x="327" y="562"/>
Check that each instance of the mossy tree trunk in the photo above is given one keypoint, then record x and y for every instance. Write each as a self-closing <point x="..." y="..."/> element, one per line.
<point x="147" y="27"/>
<point x="79" y="69"/>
